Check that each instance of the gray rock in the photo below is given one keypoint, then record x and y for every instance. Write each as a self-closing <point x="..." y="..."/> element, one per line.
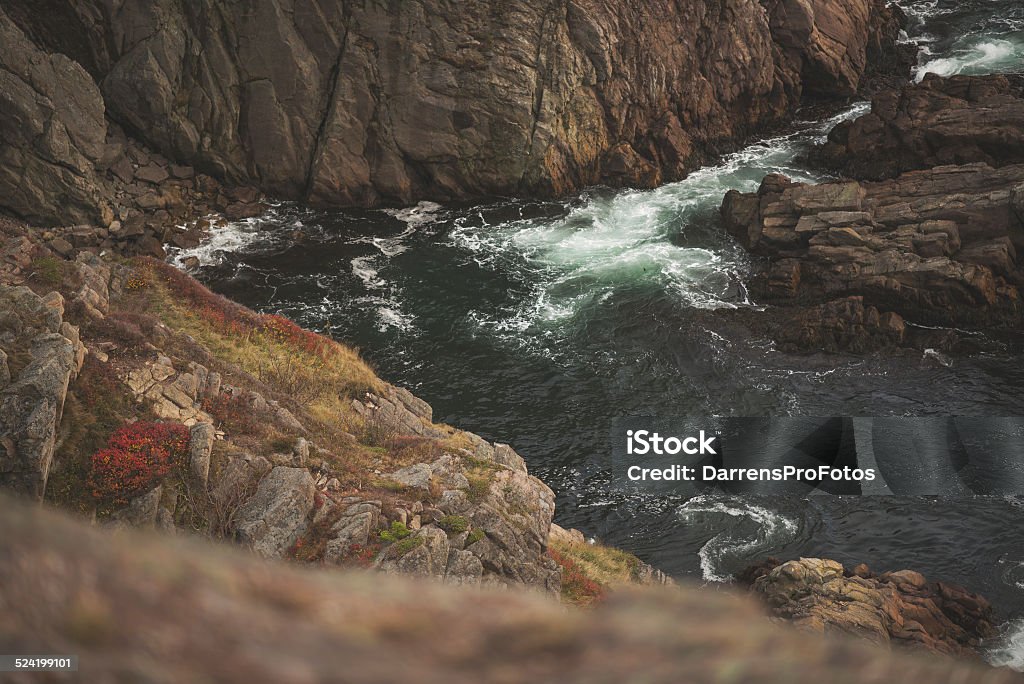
<point x="506" y="456"/>
<point x="429" y="558"/>
<point x="301" y="451"/>
<point x="238" y="481"/>
<point x="200" y="447"/>
<point x="416" y="476"/>
<point x="350" y="530"/>
<point x="463" y="568"/>
<point x="54" y="127"/>
<point x="142" y="511"/>
<point x="278" y="513"/>
<point x="32" y="404"/>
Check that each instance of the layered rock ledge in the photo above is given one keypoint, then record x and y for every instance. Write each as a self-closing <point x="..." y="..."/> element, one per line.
<point x="852" y="261"/>
<point x="941" y="121"/>
<point x="898" y="608"/>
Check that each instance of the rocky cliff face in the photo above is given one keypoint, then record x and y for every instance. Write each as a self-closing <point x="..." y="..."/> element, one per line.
<point x="362" y="103"/>
<point x="54" y="127"/>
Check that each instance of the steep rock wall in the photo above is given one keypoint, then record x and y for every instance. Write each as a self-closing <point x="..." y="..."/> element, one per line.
<point x="362" y="103"/>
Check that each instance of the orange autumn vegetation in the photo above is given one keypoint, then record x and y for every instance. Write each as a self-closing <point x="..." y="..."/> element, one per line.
<point x="577" y="587"/>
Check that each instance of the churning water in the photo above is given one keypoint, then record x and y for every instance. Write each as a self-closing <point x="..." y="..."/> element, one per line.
<point x="535" y="322"/>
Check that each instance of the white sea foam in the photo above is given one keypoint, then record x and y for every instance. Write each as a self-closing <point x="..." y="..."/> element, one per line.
<point x="773" y="529"/>
<point x="363" y="268"/>
<point x="221" y="241"/>
<point x="422" y="213"/>
<point x="979" y="56"/>
<point x="615" y="240"/>
<point x="1008" y="649"/>
<point x="390" y="317"/>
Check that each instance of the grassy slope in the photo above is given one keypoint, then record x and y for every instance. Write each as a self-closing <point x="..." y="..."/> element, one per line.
<point x="161" y="310"/>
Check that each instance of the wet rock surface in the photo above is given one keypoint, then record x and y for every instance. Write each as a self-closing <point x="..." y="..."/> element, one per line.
<point x="941" y="121"/>
<point x="924" y="228"/>
<point x="898" y="608"/>
<point x="104" y="598"/>
<point x="936" y="247"/>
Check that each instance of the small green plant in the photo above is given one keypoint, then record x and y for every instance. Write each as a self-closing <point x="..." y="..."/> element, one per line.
<point x="398" y="532"/>
<point x="48" y="270"/>
<point x="453" y="524"/>
<point x="479" y="486"/>
<point x="406" y="545"/>
<point x="474" y="537"/>
<point x="282" y="445"/>
<point x="479" y="463"/>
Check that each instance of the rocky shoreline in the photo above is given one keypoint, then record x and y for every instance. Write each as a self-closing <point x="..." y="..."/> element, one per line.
<point x="79" y="331"/>
<point x="900" y="608"/>
<point x="849" y="263"/>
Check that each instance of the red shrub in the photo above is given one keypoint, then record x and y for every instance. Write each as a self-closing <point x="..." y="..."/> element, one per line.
<point x="362" y="556"/>
<point x="230" y="318"/>
<point x="135" y="458"/>
<point x="231" y="412"/>
<point x="576" y="586"/>
<point x="285" y="331"/>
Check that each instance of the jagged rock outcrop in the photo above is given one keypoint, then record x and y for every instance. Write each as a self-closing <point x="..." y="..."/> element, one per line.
<point x="941" y="121"/>
<point x="62" y="163"/>
<point x="277" y="515"/>
<point x="52" y="118"/>
<point x="936" y="246"/>
<point x="343" y="104"/>
<point x="106" y="597"/>
<point x="41" y="354"/>
<point x="901" y="608"/>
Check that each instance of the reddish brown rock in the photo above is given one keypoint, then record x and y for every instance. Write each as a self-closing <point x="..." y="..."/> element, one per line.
<point x="899" y="608"/>
<point x="140" y="607"/>
<point x="359" y="104"/>
<point x="937" y="246"/>
<point x="958" y="120"/>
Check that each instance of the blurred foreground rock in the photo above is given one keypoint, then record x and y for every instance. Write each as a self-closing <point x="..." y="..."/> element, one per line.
<point x="137" y="608"/>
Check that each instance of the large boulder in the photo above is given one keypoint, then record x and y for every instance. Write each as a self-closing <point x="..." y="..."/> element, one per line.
<point x="49" y="355"/>
<point x="278" y="513"/>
